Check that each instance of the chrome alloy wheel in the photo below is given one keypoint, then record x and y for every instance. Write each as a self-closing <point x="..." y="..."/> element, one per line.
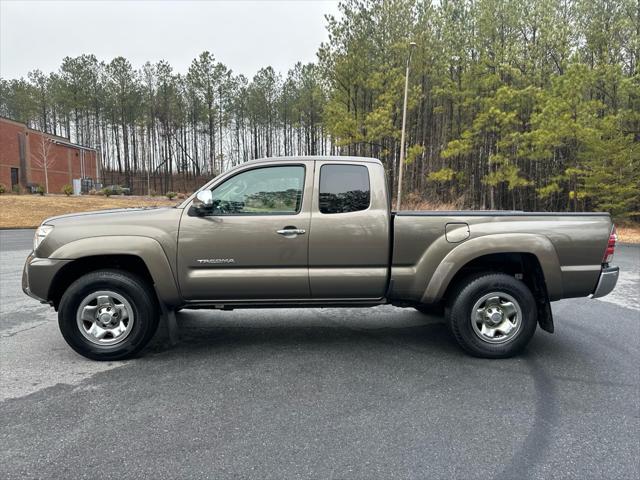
<point x="496" y="317"/>
<point x="105" y="318"/>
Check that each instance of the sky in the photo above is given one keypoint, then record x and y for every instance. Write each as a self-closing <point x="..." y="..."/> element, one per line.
<point x="244" y="35"/>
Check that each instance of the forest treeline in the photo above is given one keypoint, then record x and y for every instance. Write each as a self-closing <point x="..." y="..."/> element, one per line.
<point x="525" y="104"/>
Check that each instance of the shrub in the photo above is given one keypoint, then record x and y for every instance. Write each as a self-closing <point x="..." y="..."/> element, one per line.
<point x="2" y="188"/>
<point x="115" y="190"/>
<point x="16" y="189"/>
<point x="171" y="195"/>
<point x="106" y="192"/>
<point x="67" y="189"/>
<point x="39" y="190"/>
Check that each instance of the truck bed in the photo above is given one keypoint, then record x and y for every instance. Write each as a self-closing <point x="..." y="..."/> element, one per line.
<point x="570" y="246"/>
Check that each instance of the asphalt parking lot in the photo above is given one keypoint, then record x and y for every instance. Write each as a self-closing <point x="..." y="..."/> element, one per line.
<point x="323" y="393"/>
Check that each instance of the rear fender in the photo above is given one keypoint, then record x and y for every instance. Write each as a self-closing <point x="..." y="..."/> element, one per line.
<point x="538" y="245"/>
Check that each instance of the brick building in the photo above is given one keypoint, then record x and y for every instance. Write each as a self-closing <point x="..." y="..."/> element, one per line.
<point x="24" y="152"/>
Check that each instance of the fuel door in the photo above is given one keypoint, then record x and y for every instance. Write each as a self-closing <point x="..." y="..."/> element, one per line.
<point x="456" y="232"/>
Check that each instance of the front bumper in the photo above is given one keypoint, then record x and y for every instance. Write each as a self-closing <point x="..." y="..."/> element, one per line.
<point x="38" y="274"/>
<point x="606" y="282"/>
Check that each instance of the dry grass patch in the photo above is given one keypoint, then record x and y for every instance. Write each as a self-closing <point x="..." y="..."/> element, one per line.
<point x="413" y="201"/>
<point x="628" y="233"/>
<point x="28" y="211"/>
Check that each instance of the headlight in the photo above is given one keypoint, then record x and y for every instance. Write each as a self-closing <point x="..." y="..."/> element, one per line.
<point x="41" y="234"/>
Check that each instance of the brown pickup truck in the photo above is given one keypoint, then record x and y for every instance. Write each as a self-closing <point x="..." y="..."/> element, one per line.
<point x="313" y="232"/>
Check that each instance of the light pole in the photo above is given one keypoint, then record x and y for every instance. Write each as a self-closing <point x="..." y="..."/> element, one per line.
<point x="412" y="45"/>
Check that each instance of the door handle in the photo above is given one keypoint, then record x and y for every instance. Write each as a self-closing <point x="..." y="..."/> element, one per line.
<point x="291" y="231"/>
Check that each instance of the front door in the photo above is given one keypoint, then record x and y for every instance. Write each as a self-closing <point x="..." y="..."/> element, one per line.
<point x="253" y="241"/>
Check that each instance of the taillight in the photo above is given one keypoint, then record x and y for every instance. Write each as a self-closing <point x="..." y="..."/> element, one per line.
<point x="611" y="246"/>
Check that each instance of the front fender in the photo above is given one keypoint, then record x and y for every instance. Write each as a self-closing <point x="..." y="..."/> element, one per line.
<point x="147" y="249"/>
<point x="538" y="245"/>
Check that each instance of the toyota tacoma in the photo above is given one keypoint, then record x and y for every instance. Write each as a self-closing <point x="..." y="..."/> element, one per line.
<point x="314" y="232"/>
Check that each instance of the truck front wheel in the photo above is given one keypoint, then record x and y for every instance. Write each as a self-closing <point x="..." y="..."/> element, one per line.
<point x="108" y="315"/>
<point x="492" y="315"/>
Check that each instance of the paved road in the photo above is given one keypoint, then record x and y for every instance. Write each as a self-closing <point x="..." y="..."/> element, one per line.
<point x="323" y="393"/>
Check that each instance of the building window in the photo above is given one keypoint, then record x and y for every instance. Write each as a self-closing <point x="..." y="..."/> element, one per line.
<point x="15" y="177"/>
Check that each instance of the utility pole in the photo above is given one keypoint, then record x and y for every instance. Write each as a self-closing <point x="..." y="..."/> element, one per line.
<point x="412" y="45"/>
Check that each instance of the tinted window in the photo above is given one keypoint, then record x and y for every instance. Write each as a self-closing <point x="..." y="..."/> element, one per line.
<point x="266" y="191"/>
<point x="344" y="188"/>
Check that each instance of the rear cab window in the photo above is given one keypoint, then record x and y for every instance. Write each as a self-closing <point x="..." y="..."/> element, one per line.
<point x="344" y="188"/>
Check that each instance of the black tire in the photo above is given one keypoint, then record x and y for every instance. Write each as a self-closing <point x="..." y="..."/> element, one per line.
<point x="131" y="288"/>
<point x="468" y="333"/>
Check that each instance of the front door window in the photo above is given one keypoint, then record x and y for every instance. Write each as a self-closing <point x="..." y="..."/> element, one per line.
<point x="262" y="191"/>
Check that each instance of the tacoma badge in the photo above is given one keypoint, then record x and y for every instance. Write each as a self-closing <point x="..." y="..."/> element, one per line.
<point x="215" y="260"/>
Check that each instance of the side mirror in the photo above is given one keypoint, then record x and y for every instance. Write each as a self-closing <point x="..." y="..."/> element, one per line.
<point x="205" y="197"/>
<point x="203" y="202"/>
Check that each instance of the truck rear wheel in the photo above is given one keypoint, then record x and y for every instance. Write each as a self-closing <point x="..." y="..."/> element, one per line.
<point x="492" y="315"/>
<point x="108" y="315"/>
